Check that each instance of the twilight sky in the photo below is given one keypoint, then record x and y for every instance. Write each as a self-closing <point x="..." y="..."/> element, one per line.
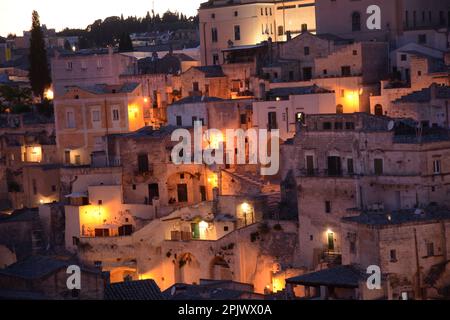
<point x="15" y="15"/>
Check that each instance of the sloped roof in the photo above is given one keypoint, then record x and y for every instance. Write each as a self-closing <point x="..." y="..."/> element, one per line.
<point x="133" y="290"/>
<point x="347" y="276"/>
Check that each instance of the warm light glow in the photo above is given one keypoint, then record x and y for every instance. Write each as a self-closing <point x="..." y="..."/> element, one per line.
<point x="74" y="48"/>
<point x="214" y="139"/>
<point x="145" y="100"/>
<point x="32" y="154"/>
<point x="203" y="225"/>
<point x="41" y="201"/>
<point x="329" y="231"/>
<point x="245" y="207"/>
<point x="48" y="94"/>
<point x="213" y="180"/>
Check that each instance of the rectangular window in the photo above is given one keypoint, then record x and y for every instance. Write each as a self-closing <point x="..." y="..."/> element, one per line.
<point x="195" y="87"/>
<point x="430" y="249"/>
<point x="422" y="38"/>
<point x="95" y="116"/>
<point x="143" y="163"/>
<point x="70" y="119"/>
<point x="334" y="166"/>
<point x="350" y="169"/>
<point x="393" y="255"/>
<point x="280" y="30"/>
<point x="214" y="35"/>
<point x="272" y="121"/>
<point x="77" y="159"/>
<point x="182" y="192"/>
<point x="237" y="33"/>
<point x="306" y="51"/>
<point x="116" y="116"/>
<point x="179" y="121"/>
<point x="378" y="166"/>
<point x="310" y="165"/>
<point x="215" y="59"/>
<point x="346" y="71"/>
<point x="437" y="166"/>
<point x="327" y="126"/>
<point x="307" y="74"/>
<point x="327" y="206"/>
<point x="243" y="119"/>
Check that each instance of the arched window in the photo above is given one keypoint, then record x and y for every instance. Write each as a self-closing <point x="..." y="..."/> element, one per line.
<point x="356" y="21"/>
<point x="378" y="110"/>
<point x="339" y="109"/>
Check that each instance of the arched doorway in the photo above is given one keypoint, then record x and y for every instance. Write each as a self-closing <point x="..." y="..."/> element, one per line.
<point x="378" y="110"/>
<point x="220" y="270"/>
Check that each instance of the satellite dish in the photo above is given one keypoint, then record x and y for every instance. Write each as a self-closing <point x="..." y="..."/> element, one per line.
<point x="391" y="125"/>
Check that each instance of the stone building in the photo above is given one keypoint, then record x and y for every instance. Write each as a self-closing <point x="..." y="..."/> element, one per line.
<point x="410" y="247"/>
<point x="348" y="19"/>
<point x="83" y="115"/>
<point x="429" y="106"/>
<point x="285" y="107"/>
<point x="88" y="68"/>
<point x="225" y="24"/>
<point x="345" y="162"/>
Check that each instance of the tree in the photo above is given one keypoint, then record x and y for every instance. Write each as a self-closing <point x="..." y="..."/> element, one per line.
<point x="39" y="73"/>
<point x="125" y="43"/>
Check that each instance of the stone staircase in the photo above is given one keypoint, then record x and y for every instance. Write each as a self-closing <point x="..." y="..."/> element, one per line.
<point x="247" y="177"/>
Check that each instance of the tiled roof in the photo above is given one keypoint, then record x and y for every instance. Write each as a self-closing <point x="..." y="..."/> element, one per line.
<point x="424" y="95"/>
<point x="347" y="276"/>
<point x="133" y="290"/>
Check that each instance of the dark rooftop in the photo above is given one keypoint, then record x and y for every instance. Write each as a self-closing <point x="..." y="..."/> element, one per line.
<point x="107" y="89"/>
<point x="347" y="276"/>
<point x="20" y="215"/>
<point x="431" y="214"/>
<point x="286" y="91"/>
<point x="34" y="267"/>
<point x="133" y="290"/>
<point x="146" y="132"/>
<point x="211" y="71"/>
<point x="197" y="99"/>
<point x="426" y="95"/>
